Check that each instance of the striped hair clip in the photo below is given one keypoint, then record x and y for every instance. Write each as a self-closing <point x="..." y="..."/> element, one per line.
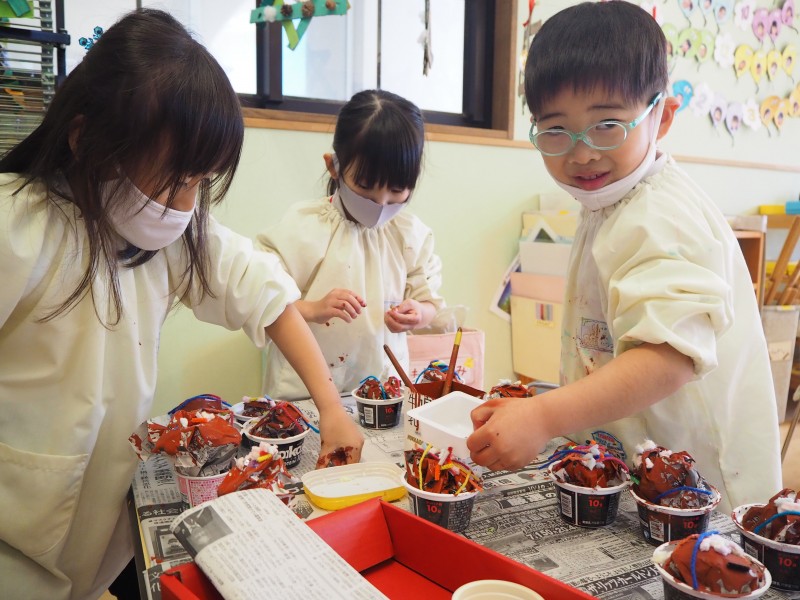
<point x="87" y="43"/>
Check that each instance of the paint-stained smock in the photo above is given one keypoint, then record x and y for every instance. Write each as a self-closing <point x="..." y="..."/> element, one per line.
<point x="662" y="265"/>
<point x="72" y="390"/>
<point x="323" y="250"/>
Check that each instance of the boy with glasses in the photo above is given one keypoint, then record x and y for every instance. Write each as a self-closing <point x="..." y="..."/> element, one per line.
<point x="662" y="337"/>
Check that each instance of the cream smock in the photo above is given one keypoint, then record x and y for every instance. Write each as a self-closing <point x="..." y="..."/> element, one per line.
<point x="662" y="265"/>
<point x="72" y="391"/>
<point x="323" y="250"/>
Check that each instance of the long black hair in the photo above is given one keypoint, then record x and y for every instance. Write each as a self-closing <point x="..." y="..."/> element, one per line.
<point x="146" y="96"/>
<point x="381" y="136"/>
<point x="614" y="45"/>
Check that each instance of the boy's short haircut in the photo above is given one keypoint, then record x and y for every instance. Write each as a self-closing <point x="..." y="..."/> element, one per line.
<point x="613" y="45"/>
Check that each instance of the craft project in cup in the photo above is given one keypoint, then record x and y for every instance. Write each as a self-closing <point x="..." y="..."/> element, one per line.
<point x="771" y="533"/>
<point x="283" y="425"/>
<point x="200" y="444"/>
<point x="380" y="405"/>
<point x="672" y="498"/>
<point x="441" y="488"/>
<point x="589" y="481"/>
<point x="709" y="566"/>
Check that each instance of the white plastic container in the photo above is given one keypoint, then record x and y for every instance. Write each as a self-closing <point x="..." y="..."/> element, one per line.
<point x="445" y="422"/>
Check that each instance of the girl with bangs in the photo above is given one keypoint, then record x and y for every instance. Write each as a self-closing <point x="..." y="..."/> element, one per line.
<point x="365" y="267"/>
<point x="104" y="226"/>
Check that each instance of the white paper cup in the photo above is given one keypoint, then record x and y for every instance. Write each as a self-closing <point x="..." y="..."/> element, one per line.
<point x="677" y="590"/>
<point x="585" y="506"/>
<point x="380" y="414"/>
<point x="782" y="560"/>
<point x="289" y="448"/>
<point x="446" y="510"/>
<point x="663" y="523"/>
<point x="494" y="589"/>
<point x="196" y="490"/>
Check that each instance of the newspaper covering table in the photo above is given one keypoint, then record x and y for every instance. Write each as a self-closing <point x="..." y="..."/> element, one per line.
<point x="517" y="515"/>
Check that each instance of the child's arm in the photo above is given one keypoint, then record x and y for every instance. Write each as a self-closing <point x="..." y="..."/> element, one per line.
<point x="509" y="432"/>
<point x="295" y="340"/>
<point x="409" y="314"/>
<point x="337" y="304"/>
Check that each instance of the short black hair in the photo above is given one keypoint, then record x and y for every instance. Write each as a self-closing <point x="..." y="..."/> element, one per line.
<point x="381" y="136"/>
<point x="614" y="45"/>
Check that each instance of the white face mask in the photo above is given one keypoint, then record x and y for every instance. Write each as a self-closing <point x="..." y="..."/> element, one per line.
<point x="145" y="223"/>
<point x="365" y="211"/>
<point x="614" y="192"/>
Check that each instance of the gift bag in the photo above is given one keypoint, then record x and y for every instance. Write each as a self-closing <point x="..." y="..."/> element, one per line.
<point x="423" y="348"/>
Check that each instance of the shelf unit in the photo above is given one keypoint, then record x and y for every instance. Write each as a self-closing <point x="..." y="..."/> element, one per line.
<point x="32" y="64"/>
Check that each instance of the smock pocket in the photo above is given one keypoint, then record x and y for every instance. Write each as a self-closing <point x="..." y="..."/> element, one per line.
<point x="40" y="495"/>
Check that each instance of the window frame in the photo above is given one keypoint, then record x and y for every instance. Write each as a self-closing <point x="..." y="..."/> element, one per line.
<point x="489" y="90"/>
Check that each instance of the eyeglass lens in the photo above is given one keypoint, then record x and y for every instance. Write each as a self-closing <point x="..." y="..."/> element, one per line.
<point x="602" y="136"/>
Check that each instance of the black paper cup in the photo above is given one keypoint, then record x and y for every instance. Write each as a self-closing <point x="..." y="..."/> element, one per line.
<point x="587" y="507"/>
<point x="380" y="414"/>
<point x="445" y="510"/>
<point x="782" y="560"/>
<point x="664" y="524"/>
<point x="678" y="590"/>
<point x="289" y="448"/>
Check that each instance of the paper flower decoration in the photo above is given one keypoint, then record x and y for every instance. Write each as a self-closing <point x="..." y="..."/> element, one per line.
<point x="682" y="91"/>
<point x="733" y="117"/>
<point x="783" y="111"/>
<point x="742" y="59"/>
<point x="787" y="13"/>
<point x="743" y="14"/>
<point x="794" y="102"/>
<point x="774" y="63"/>
<point x="760" y="23"/>
<point x="723" y="9"/>
<point x="706" y="7"/>
<point x="671" y="33"/>
<point x="688" y="41"/>
<point x="686" y="6"/>
<point x="700" y="104"/>
<point x="758" y="65"/>
<point x="719" y="108"/>
<point x="768" y="109"/>
<point x="750" y="114"/>
<point x="723" y="50"/>
<point x="705" y="46"/>
<point x="775" y="24"/>
<point x="789" y="58"/>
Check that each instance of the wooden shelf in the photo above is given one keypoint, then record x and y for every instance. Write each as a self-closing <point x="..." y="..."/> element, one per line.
<point x="780" y="221"/>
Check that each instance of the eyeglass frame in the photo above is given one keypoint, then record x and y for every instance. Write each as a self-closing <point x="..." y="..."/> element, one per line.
<point x="581" y="136"/>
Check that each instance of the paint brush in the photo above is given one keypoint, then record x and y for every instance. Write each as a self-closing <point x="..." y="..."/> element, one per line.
<point x="451" y="368"/>
<point x="399" y="369"/>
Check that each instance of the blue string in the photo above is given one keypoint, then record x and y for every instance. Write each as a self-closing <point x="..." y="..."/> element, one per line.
<point x="199" y="397"/>
<point x="384" y="395"/>
<point x="775" y="516"/>
<point x="683" y="488"/>
<point x="695" y="550"/>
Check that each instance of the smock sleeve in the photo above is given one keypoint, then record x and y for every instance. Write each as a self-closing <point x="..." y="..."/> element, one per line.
<point x="300" y="239"/>
<point x="250" y="288"/>
<point x="666" y="268"/>
<point x="424" y="277"/>
<point x="23" y="227"/>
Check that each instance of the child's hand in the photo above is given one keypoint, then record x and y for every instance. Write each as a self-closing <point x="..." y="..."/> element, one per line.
<point x="508" y="433"/>
<point x="337" y="304"/>
<point x="340" y="438"/>
<point x="404" y="317"/>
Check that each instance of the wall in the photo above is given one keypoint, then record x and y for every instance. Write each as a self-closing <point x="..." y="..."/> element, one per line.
<point x="472" y="197"/>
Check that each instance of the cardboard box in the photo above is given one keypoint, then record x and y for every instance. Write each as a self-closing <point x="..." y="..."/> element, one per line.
<point x="536" y="338"/>
<point x="401" y="554"/>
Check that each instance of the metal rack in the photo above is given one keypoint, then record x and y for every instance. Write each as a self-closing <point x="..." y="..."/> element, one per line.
<point x="32" y="63"/>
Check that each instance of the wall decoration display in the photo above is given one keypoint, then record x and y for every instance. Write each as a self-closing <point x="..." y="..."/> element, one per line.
<point x="756" y="39"/>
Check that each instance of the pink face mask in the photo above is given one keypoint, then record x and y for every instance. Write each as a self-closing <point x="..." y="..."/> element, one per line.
<point x="365" y="211"/>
